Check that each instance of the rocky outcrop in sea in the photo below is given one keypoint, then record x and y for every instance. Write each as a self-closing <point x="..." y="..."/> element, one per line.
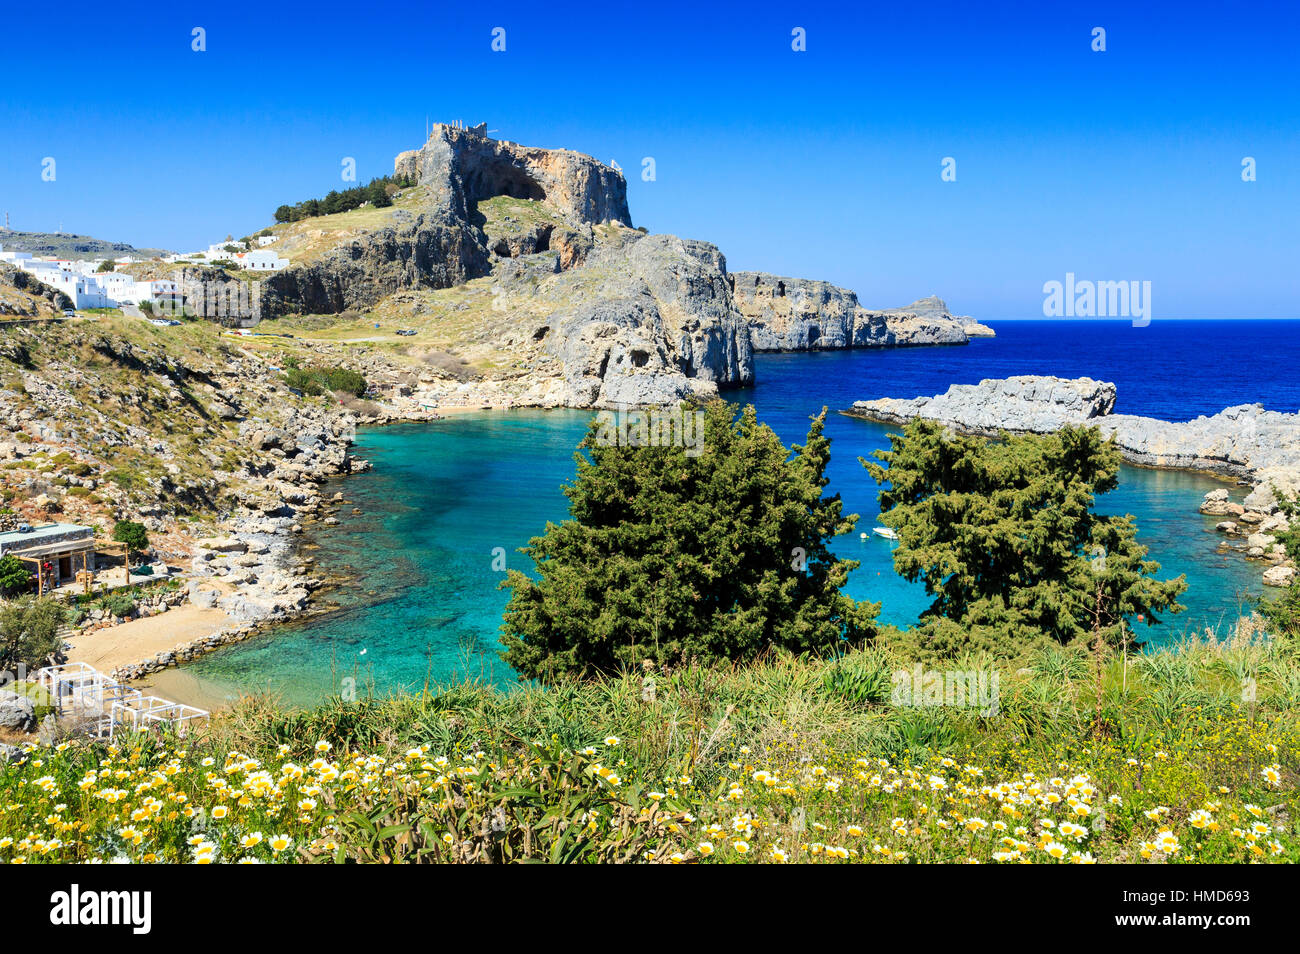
<point x="1243" y="441"/>
<point x="797" y="314"/>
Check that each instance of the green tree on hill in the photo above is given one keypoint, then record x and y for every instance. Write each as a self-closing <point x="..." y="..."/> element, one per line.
<point x="132" y="534"/>
<point x="1004" y="537"/>
<point x="316" y="380"/>
<point x="670" y="555"/>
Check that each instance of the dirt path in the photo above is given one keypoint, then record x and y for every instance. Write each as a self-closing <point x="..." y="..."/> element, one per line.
<point x="106" y="649"/>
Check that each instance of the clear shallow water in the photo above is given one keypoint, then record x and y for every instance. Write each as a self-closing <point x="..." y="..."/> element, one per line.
<point x="443" y="495"/>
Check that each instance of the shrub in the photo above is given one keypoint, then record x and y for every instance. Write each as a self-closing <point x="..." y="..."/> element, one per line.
<point x="120" y="603"/>
<point x="28" y="632"/>
<point x="317" y="380"/>
<point x="14" y="575"/>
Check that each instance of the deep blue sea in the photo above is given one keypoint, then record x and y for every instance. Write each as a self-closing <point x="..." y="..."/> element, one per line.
<point x="424" y="605"/>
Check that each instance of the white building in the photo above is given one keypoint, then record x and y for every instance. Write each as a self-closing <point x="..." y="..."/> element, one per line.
<point x="14" y="258"/>
<point x="84" y="291"/>
<point x="261" y="261"/>
<point x="265" y="240"/>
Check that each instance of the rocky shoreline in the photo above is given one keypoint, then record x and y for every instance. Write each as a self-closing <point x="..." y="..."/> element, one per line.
<point x="1256" y="447"/>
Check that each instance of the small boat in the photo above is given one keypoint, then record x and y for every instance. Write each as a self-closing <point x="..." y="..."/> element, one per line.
<point x="885" y="532"/>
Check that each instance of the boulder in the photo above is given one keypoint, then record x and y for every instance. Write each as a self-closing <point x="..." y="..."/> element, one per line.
<point x="224" y="544"/>
<point x="1279" y="576"/>
<point x="1269" y="480"/>
<point x="17" y="713"/>
<point x="1274" y="521"/>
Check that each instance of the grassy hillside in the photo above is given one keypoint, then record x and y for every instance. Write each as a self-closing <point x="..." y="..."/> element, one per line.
<point x="115" y="415"/>
<point x="1159" y="760"/>
<point x="308" y="239"/>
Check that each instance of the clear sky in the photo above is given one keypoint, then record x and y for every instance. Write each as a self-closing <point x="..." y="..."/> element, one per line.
<point x="1122" y="165"/>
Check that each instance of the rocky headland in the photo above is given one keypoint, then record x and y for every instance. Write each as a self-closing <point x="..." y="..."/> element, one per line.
<point x="1259" y="448"/>
<point x="796" y="314"/>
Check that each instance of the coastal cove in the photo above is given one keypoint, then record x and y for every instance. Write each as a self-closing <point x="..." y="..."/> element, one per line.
<point x="421" y="599"/>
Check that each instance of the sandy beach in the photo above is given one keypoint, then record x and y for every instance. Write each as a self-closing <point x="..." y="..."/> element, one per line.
<point x="106" y="649"/>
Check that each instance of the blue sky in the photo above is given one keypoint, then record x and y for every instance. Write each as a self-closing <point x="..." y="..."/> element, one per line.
<point x="1122" y="165"/>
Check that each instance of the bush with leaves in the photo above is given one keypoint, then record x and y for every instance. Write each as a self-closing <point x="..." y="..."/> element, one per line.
<point x="14" y="575"/>
<point x="671" y="556"/>
<point x="316" y="381"/>
<point x="29" y="632"/>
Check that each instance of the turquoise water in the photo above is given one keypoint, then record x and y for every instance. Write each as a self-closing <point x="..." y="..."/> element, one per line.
<point x="424" y="602"/>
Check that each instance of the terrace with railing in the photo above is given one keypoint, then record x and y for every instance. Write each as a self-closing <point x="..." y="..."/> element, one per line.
<point x="99" y="704"/>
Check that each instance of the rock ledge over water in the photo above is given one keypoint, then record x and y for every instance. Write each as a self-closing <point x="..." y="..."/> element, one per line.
<point x="1242" y="441"/>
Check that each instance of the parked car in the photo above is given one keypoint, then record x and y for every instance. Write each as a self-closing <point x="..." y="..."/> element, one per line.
<point x="69" y="313"/>
<point x="406" y="332"/>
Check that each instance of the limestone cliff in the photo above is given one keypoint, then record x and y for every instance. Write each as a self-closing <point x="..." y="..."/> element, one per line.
<point x="659" y="326"/>
<point x="596" y="312"/>
<point x="465" y="166"/>
<point x="795" y="314"/>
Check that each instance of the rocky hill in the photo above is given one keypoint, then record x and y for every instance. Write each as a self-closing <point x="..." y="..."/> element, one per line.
<point x="519" y="265"/>
<point x="584" y="310"/>
<point x="796" y="314"/>
<point x="64" y="245"/>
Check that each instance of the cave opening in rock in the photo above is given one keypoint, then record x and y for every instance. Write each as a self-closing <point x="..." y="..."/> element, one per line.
<point x="640" y="358"/>
<point x="503" y="178"/>
<point x="780" y="289"/>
